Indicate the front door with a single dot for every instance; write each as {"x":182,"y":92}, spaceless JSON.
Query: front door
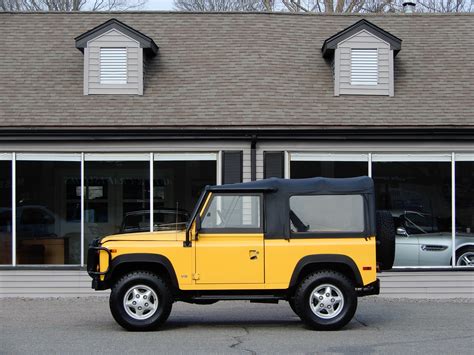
{"x":229,"y":249}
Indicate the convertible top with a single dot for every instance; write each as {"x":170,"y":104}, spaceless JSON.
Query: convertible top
{"x":277,"y":193}
{"x":316,"y":185}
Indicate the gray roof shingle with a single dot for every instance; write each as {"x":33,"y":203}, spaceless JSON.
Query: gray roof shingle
{"x":235,"y":70}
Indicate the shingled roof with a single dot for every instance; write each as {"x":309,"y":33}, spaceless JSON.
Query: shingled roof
{"x":235,"y":70}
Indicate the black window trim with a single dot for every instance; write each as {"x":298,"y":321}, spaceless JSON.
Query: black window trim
{"x":236,"y":230}
{"x":308,"y":235}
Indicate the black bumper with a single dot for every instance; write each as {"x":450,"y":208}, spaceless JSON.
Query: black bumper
{"x":93,"y":259}
{"x":370,"y":289}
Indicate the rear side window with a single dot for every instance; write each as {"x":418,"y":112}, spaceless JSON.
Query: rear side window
{"x":327,"y":214}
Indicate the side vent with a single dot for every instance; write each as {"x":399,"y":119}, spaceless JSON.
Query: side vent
{"x":113,"y":65}
{"x":364,"y":67}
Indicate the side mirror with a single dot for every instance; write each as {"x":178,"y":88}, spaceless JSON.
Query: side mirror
{"x":402,"y":231}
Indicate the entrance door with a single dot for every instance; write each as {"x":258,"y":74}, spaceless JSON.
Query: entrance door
{"x":229,"y":249}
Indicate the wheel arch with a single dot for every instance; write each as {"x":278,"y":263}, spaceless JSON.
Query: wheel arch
{"x":155,"y":263}
{"x":336,"y":262}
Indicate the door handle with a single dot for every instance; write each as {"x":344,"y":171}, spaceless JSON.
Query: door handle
{"x":253,"y":254}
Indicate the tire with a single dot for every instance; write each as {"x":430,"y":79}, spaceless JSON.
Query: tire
{"x":291,"y":302}
{"x":322,"y":283}
{"x":385,"y":239}
{"x":465,"y":256}
{"x":152,"y":297}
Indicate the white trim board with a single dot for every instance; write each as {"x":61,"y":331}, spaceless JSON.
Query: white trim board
{"x":328,"y":157}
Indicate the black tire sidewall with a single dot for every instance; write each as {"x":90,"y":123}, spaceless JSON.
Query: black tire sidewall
{"x":385,"y":247}
{"x":140,"y":278}
{"x":462,"y":251}
{"x":303,"y":294}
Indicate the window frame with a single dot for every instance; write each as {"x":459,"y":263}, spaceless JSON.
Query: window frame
{"x":308,"y":235}
{"x":261,"y":229}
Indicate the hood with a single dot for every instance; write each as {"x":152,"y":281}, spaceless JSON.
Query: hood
{"x":161,"y":235}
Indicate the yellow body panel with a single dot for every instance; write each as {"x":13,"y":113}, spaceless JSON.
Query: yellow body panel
{"x":224,"y":262}
{"x":230,"y":259}
{"x":281,"y":256}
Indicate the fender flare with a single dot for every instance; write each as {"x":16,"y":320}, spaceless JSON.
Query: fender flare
{"x":327,"y":259}
{"x":139,"y":258}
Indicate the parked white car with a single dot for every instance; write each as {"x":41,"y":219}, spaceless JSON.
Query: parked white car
{"x":419,"y":244}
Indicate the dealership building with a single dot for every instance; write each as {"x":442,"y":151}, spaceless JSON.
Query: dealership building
{"x":114,"y":123}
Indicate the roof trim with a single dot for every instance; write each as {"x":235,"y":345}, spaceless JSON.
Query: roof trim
{"x":113,"y":24}
{"x":331,"y":43}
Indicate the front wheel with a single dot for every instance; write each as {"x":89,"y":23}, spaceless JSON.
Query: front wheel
{"x":140,"y":300}
{"x":465,"y":256}
{"x":326,"y":300}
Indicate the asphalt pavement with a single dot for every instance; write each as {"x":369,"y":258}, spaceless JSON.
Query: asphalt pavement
{"x":84,"y":325}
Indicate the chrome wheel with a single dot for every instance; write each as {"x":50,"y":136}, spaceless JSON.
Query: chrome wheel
{"x":140,"y":302}
{"x":326,"y":301}
{"x":466,"y":259}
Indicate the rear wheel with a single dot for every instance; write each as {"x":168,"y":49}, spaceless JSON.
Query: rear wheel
{"x":326,"y":300}
{"x":140,"y":300}
{"x":385,"y":239}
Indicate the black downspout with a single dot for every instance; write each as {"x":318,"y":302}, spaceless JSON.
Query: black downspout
{"x":253,"y":159}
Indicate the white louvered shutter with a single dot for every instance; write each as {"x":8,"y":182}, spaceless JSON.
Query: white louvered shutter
{"x":113,"y":65}
{"x":364,"y":67}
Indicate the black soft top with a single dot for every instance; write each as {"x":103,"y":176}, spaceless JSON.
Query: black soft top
{"x":316,"y":185}
{"x":277,"y":193}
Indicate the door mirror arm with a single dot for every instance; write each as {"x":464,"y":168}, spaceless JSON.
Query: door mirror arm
{"x":198,"y":226}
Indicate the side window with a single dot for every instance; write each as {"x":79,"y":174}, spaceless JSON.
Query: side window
{"x":233,"y":212}
{"x":327,"y":214}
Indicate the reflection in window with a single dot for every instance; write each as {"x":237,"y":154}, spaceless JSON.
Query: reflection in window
{"x":418,"y":194}
{"x":330,"y":169}
{"x":316,"y":213}
{"x":5,"y":212}
{"x":48,"y":232}
{"x":233,"y":211}
{"x":115,"y":192}
{"x":465,"y":213}
{"x":177,"y":186}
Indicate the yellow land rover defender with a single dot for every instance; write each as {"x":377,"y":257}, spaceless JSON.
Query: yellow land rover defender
{"x":316,"y":243}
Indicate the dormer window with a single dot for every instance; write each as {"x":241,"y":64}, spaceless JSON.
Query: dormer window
{"x":362,"y":57}
{"x":114,"y":58}
{"x":113,"y":65}
{"x":364,"y":66}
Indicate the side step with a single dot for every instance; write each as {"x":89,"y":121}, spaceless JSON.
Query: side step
{"x":251,"y":298}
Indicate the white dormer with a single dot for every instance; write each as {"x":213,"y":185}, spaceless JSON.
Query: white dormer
{"x":114,"y":58}
{"x":362,"y":58}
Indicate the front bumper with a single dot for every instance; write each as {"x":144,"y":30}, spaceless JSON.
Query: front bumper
{"x":93,"y":264}
{"x":370,"y":289}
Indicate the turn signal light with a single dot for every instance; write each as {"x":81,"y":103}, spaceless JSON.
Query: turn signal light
{"x":113,"y":250}
{"x":367,"y":268}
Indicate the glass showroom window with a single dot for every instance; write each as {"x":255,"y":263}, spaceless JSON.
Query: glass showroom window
{"x":48,"y":229}
{"x":5,"y":210}
{"x":117,"y":194}
{"x":418,"y":194}
{"x":306,"y":165}
{"x":178,"y":180}
{"x":464,"y":213}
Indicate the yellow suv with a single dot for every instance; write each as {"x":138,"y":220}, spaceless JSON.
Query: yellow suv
{"x":316,"y":243}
